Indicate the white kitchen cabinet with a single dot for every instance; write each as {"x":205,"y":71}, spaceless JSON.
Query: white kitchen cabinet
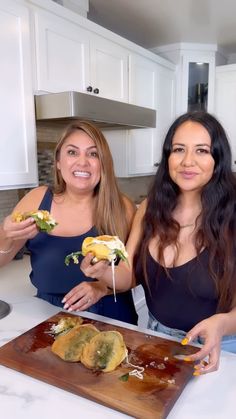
{"x":72,"y":53}
{"x":197,"y":81}
{"x":62,"y":54}
{"x":143,"y":88}
{"x":225,"y":103}
{"x":18,"y":164}
{"x":137,"y":152}
{"x":109,"y":68}
{"x":195,"y":74}
{"x":69,"y":57}
{"x":142,"y":81}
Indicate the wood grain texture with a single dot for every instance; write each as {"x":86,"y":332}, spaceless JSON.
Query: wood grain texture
{"x":153,"y":397}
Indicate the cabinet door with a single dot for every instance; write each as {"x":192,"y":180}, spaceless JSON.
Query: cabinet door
{"x":225,"y":104}
{"x":18,"y":166}
{"x":109,"y":69}
{"x":142,"y":92}
{"x":142,"y":81}
{"x":166,"y":87}
{"x":141,"y":149}
{"x":62,"y":54}
{"x":197,"y":79}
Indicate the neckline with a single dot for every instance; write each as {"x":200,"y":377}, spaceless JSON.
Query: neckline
{"x":179,"y":266}
{"x":86,"y":233}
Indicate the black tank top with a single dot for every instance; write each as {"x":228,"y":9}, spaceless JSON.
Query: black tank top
{"x":53,"y":279}
{"x":182,"y":299}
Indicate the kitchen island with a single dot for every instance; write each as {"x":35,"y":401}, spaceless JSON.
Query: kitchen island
{"x":21,"y":397}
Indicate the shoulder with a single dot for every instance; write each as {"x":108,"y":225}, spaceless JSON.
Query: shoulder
{"x":31,"y":200}
{"x":130,"y":208}
{"x":142,"y":209}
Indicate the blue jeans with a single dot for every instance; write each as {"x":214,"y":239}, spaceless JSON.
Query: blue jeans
{"x":228,"y":343}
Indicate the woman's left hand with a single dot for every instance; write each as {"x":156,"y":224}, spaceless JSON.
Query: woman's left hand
{"x":84,"y":295}
{"x":211,"y":331}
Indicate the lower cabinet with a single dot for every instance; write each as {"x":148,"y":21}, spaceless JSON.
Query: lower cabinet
{"x":140,"y":306}
{"x":18,"y":162}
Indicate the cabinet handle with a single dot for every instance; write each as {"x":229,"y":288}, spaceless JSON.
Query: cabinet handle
{"x":96,"y":91}
{"x":89,"y":89}
{"x":156,"y":164}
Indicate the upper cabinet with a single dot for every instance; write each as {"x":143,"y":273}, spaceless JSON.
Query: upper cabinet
{"x":62,"y":54}
{"x":143,"y":92}
{"x":142,"y":81}
{"x":69,"y":57}
{"x":195,"y":75}
{"x":18,"y":163}
{"x":137,"y":152}
{"x":225,"y":103}
{"x":109,"y":69}
{"x":197,"y":80}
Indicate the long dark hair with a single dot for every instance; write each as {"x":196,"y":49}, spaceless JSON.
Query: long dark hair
{"x":217,"y":230}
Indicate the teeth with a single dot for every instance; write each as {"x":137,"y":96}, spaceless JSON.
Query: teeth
{"x":81,"y":174}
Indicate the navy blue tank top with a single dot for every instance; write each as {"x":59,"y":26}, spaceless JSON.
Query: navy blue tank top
{"x":182,"y":299}
{"x":53,"y":279}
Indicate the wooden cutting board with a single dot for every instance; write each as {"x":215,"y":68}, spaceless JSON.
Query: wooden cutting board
{"x":153,"y":397}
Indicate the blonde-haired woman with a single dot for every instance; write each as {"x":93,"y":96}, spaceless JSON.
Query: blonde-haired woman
{"x":85,"y":201}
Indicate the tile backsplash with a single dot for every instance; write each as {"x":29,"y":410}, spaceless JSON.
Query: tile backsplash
{"x":8,"y":200}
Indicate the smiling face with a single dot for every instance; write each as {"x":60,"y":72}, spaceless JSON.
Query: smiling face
{"x":79,"y":163}
{"x":191,"y":164}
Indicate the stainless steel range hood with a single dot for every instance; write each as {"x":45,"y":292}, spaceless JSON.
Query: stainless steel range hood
{"x":103,"y":112}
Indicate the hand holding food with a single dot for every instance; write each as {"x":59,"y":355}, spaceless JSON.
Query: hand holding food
{"x":102,"y":247}
{"x":43,"y":219}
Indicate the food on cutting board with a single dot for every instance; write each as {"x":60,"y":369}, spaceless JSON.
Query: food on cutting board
{"x":105,"y":351}
{"x":84,"y":342}
{"x":43,"y":219}
{"x":70,"y":346}
{"x":65,"y":324}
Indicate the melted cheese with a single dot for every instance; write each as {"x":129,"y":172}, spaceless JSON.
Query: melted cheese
{"x":113,"y":244}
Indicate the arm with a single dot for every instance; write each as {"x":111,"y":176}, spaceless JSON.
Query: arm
{"x":14,"y":235}
{"x":211,"y":330}
{"x":102,"y":271}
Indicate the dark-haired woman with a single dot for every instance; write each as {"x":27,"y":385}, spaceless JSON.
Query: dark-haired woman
{"x":182,"y":244}
{"x":85,"y":201}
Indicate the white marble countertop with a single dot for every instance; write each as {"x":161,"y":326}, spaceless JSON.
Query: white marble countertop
{"x":22,"y":397}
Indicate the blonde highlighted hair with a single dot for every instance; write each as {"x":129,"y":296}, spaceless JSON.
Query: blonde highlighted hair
{"x":110,"y":212}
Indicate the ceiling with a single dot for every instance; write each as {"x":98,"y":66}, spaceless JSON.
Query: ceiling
{"x":152,"y":23}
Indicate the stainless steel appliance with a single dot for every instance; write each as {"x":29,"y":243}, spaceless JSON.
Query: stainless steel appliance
{"x":103,"y":112}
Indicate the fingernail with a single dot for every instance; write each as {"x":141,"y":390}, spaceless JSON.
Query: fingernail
{"x":187,"y":359}
{"x":70,"y":309}
{"x":63,"y":301}
{"x":66,"y":306}
{"x":185,"y":341}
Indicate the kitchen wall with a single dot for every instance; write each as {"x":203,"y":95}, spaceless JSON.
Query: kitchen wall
{"x":136,"y":188}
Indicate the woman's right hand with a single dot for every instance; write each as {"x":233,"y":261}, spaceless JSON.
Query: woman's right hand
{"x":23,"y":230}
{"x":96,"y":270}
